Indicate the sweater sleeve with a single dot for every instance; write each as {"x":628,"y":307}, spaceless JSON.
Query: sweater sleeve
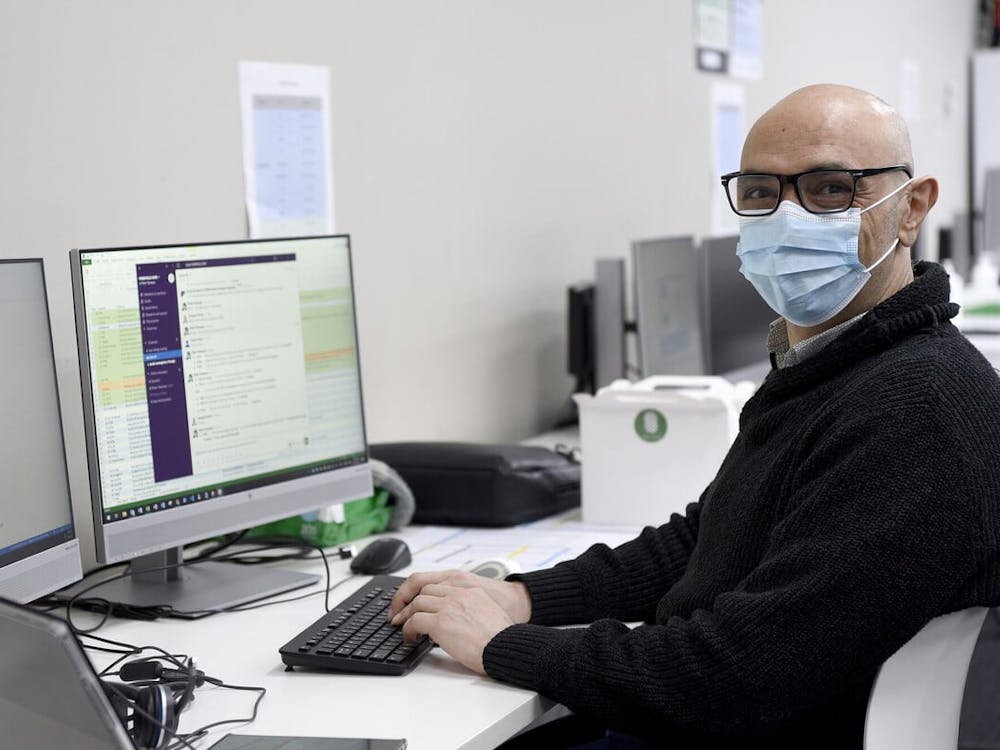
{"x":872,"y":543}
{"x":624,"y":583}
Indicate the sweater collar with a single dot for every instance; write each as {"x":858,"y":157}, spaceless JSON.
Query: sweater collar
{"x":784,"y":355}
{"x":920,"y":304}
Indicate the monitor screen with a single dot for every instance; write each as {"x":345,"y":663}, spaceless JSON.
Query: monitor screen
{"x":580,"y":360}
{"x":221,"y":390}
{"x":39,"y":551}
{"x":736,"y":319}
{"x":665,"y":273}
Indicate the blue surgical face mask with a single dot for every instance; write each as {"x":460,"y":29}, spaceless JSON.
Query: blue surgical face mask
{"x":806,"y":265}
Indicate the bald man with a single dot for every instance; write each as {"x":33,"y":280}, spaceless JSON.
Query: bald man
{"x":860,"y":499}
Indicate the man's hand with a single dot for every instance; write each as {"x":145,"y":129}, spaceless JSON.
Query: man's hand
{"x":459,"y":611}
{"x":511,"y":596}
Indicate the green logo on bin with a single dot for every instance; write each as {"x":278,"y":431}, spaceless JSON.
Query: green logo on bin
{"x":650,"y":425}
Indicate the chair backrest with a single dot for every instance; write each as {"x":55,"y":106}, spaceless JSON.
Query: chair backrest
{"x":916,"y":701}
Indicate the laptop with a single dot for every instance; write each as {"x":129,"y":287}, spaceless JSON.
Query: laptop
{"x":50,"y":695}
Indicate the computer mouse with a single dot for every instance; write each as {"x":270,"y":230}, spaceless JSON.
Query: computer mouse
{"x":382,"y":555}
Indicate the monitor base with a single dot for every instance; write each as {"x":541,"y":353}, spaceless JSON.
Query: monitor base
{"x":204,"y":588}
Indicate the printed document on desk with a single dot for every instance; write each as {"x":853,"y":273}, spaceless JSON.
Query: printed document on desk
{"x":533,"y":546}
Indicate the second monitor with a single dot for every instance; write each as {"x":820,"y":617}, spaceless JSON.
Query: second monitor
{"x":735,"y":319}
{"x":695,"y":312}
{"x":666,"y":274}
{"x":39,"y":549}
{"x":222,"y":390}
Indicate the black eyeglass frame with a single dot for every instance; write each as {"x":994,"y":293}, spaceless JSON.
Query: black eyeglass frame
{"x":784,"y":179}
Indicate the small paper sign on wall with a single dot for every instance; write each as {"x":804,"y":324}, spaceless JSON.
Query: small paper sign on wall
{"x":711,"y":35}
{"x":287,"y":152}
{"x":746,"y":52}
{"x":728,"y":37}
{"x":728,"y":103}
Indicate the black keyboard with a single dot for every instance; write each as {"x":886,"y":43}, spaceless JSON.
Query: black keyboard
{"x":355,"y":636}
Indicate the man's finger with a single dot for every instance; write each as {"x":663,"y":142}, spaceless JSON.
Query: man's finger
{"x":439,"y":589}
{"x":422,"y":602}
{"x":410,"y":588}
{"x":421,"y":623}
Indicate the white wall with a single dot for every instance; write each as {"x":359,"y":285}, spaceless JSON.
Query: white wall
{"x":485,"y":153}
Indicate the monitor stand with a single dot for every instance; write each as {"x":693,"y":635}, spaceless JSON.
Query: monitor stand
{"x":197,"y":589}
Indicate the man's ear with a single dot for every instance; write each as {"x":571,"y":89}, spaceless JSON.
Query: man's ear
{"x":923,"y":196}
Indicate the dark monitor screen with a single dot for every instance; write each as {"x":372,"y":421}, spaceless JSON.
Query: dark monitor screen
{"x":736,"y":319}
{"x":580,"y":361}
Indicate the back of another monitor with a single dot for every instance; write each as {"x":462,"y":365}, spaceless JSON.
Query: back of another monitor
{"x":961,"y":244}
{"x":665,"y":271}
{"x":991,"y":212}
{"x":609,"y":320}
{"x":735,"y":318}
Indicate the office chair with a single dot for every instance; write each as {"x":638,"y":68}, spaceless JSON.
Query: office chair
{"x":916,"y":701}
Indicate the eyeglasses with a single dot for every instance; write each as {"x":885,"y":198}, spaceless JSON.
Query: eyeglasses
{"x":820,"y":191}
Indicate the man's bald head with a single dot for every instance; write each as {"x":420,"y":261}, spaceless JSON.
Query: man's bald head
{"x":830,"y":127}
{"x":849,"y":127}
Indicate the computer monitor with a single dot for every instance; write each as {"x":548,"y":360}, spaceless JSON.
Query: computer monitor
{"x":961,"y":244}
{"x":991,"y":212}
{"x":609,"y":321}
{"x":665,"y":272}
{"x":221,"y":390}
{"x":735,"y":319}
{"x":580,"y":358}
{"x":39,"y":550}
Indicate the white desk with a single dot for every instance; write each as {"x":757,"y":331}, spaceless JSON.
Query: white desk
{"x":437,"y":706}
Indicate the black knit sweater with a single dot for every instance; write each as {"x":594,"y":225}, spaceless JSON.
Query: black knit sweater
{"x":860,"y":500}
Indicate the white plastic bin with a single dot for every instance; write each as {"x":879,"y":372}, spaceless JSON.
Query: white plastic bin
{"x":650,"y":448}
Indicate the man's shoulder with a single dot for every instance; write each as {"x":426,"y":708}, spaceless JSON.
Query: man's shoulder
{"x":936,"y":368}
{"x":943,"y":351}
{"x":923,"y":370}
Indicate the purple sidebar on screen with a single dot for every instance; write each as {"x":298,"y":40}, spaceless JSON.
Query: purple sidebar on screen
{"x":164,"y":366}
{"x":163,"y":353}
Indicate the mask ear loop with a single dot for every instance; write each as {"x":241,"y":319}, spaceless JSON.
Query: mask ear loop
{"x":895,"y":243}
{"x":884,"y":255}
{"x":884,"y":198}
